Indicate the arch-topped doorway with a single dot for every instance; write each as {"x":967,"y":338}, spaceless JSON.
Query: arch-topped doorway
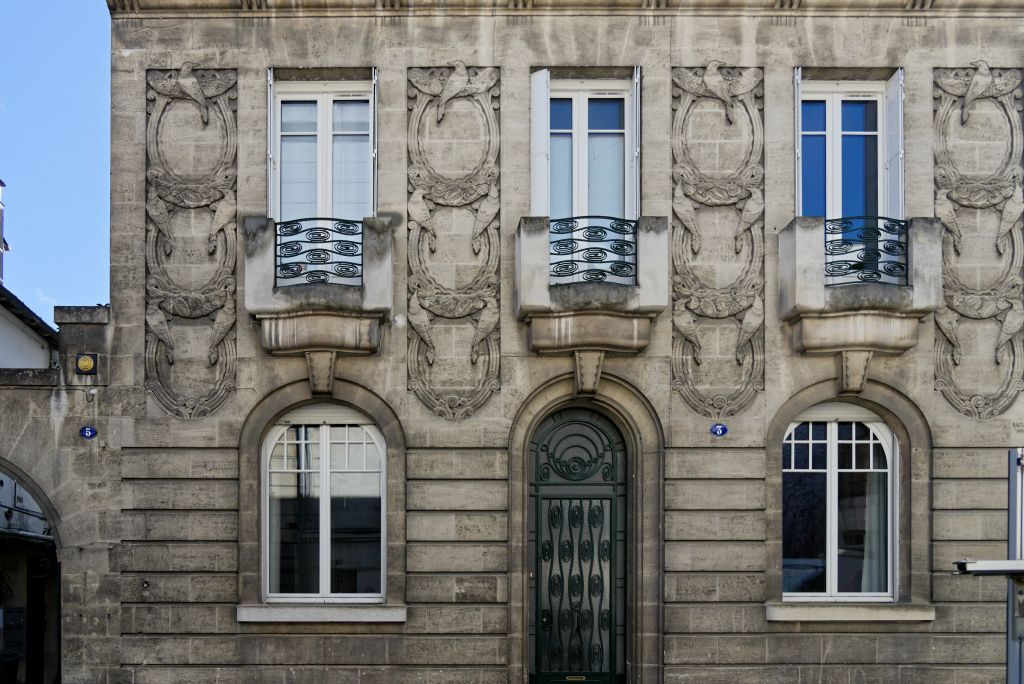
{"x":577,"y":549}
{"x":29,"y":589}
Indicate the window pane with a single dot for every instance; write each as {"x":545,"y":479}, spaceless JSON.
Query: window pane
{"x":845,"y":456}
{"x":801,"y":431}
{"x":881,"y":461}
{"x":819,"y":431}
{"x":787,"y":457}
{"x":819,"y":457}
{"x":294,"y":520}
{"x":860,"y":175}
{"x":606,"y":184}
{"x":803,"y":532}
{"x":372,"y":456}
{"x":298,"y":117}
{"x":561,"y":175}
{"x":800,"y":457}
{"x":812,"y":174}
{"x":606,"y":114}
{"x":350,"y":177}
{"x":298,"y":177}
{"x":812,"y":115}
{"x":355,"y":533}
{"x":561,"y":114}
{"x":284,"y":457}
{"x":845,"y":430}
{"x":863,"y":457}
{"x":860,"y":115}
{"x":863,"y":537}
{"x":352,"y":116}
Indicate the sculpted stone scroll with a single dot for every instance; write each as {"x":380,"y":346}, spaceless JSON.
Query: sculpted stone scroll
{"x":698,"y":198}
{"x":454,"y":191}
{"x":980,"y":198}
{"x":191,"y":146}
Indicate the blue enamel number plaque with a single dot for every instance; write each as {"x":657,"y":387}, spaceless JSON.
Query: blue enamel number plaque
{"x":719,"y":429}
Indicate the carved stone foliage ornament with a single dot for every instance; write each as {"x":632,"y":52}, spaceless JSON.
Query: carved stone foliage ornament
{"x":191,"y":145}
{"x":741,"y":190}
{"x":998,"y":194}
{"x":472,"y":194}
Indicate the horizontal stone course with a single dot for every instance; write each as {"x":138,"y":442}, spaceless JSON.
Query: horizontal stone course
{"x":456,"y":496}
{"x":456,"y":464}
{"x":714,"y":495}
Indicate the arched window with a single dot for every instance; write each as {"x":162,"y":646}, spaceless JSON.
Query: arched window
{"x":324,"y":506}
{"x":839,"y":463}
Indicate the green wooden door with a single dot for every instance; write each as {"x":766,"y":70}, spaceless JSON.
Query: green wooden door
{"x":577,"y":544}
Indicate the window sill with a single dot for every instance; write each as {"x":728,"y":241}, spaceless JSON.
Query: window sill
{"x":319,"y":613}
{"x":849,"y":612}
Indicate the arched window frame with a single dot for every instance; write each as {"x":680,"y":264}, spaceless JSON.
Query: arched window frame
{"x":833,"y":413}
{"x":324,"y":415}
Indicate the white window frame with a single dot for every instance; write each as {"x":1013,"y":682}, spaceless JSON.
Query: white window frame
{"x":889,"y":95}
{"x":832,"y":414}
{"x":543,"y":90}
{"x":323,"y":416}
{"x":324,"y":93}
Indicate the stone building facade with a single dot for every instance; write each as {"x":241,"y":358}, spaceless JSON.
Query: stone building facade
{"x":709,"y":437}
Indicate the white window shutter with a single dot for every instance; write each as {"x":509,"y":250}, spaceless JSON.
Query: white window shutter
{"x":271,"y":209}
{"x":540,"y":141}
{"x":373,"y":140}
{"x":894,"y":146}
{"x":633,"y":202}
{"x":797,"y":141}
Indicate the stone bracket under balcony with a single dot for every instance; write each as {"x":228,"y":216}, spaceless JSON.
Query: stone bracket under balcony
{"x":858,"y":319}
{"x":590,"y":316}
{"x":319,"y":320}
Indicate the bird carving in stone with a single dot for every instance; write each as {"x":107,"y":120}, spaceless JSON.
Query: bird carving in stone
{"x":714,"y":85}
{"x":947,"y":321}
{"x":485,"y":213}
{"x":222,"y":323}
{"x":223,"y":217}
{"x":458,"y":84}
{"x":485,"y":325}
{"x":752,"y":210}
{"x":161,"y":218}
{"x":419,"y":319}
{"x":184,"y":83}
{"x":981,"y":84}
{"x":946,"y":212}
{"x":686,"y":210}
{"x":1013,"y":323}
{"x":419,"y":212}
{"x":752,"y":321}
{"x":1012,"y":210}
{"x":685,"y":323}
{"x":157,"y":321}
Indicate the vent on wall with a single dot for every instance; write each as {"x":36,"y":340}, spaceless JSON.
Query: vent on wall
{"x":919,"y":4}
{"x":787,"y":4}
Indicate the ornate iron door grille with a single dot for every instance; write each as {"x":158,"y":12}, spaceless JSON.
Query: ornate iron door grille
{"x":577,"y":540}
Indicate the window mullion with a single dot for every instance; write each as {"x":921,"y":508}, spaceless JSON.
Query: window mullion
{"x":831,"y":507}
{"x":580,"y":145}
{"x":834,"y":147}
{"x":325,"y":144}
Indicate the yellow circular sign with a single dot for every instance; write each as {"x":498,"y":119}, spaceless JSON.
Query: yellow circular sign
{"x":85,"y":364}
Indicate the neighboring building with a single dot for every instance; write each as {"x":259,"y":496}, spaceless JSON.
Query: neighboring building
{"x":573,"y":382}
{"x":26,"y":340}
{"x":4,"y":247}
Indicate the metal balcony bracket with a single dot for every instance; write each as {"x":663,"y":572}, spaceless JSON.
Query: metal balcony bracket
{"x":853,"y":370}
{"x":588,"y":371}
{"x":320,"y":366}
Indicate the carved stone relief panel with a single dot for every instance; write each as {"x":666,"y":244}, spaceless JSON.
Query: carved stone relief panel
{"x":718,"y":238}
{"x":191,"y":145}
{"x":978,"y":197}
{"x":454,"y":203}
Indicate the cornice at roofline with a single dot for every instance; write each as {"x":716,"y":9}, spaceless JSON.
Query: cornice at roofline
{"x":286,"y":8}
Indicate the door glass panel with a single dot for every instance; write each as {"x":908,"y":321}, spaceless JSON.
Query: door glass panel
{"x":351,"y":116}
{"x":298,"y":177}
{"x":860,"y":115}
{"x":298,"y":117}
{"x":561,"y":175}
{"x":606,"y":114}
{"x":804,"y":523}
{"x":813,"y":161}
{"x":606,"y":160}
{"x":812,"y":115}
{"x":350,"y":177}
{"x":294,"y":526}
{"x":355,"y":533}
{"x":860,"y":175}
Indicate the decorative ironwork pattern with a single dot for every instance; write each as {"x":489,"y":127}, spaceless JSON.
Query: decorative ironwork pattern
{"x":865,"y":249}
{"x":593,"y":249}
{"x":319,"y":251}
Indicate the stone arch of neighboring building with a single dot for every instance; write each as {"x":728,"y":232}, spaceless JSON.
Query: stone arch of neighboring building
{"x":260,"y":420}
{"x":632,"y":414}
{"x":914,"y":436}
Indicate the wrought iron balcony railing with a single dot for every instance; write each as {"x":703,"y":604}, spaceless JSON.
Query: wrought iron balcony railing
{"x":593,"y":249}
{"x":865,"y":249}
{"x":319,"y":251}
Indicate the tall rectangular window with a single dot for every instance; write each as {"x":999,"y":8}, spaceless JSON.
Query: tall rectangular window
{"x":323,"y":151}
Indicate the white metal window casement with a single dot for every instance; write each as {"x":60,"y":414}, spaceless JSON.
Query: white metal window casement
{"x":322,"y":149}
{"x":585,"y":146}
{"x":839,"y":507}
{"x":849,"y":147}
{"x":324,"y":510}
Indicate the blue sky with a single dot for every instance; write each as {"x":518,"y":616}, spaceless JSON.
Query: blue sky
{"x":54,"y":151}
